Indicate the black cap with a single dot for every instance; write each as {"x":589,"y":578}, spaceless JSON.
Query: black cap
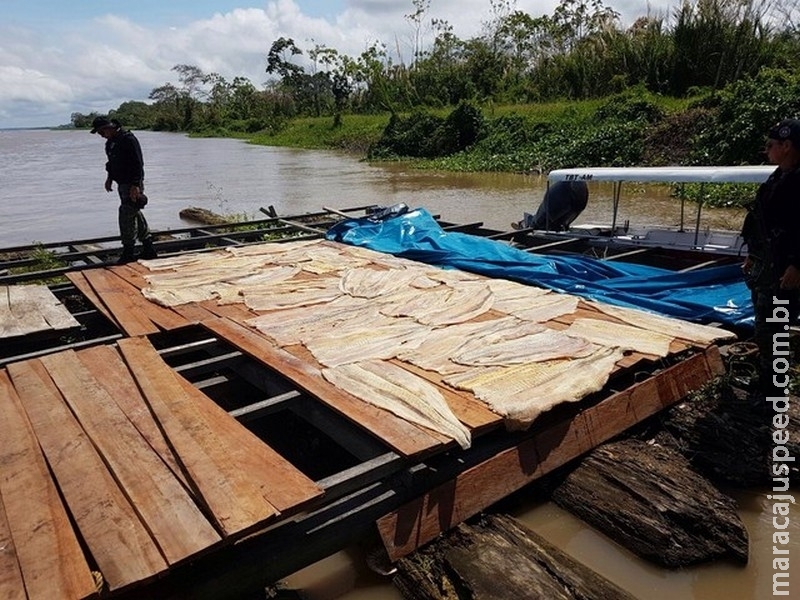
{"x":101,"y":122}
{"x":788,"y":129}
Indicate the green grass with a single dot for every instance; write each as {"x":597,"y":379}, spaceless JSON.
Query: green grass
{"x":355,"y":133}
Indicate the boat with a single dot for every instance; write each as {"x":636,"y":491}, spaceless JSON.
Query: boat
{"x":689,"y":236}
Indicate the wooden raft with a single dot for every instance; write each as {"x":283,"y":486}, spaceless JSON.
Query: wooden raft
{"x":444,"y":507}
{"x":27,"y":309}
{"x":148,"y":479}
{"x":117,"y":292}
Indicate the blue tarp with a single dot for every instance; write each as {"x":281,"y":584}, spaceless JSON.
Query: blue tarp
{"x":715,"y":294}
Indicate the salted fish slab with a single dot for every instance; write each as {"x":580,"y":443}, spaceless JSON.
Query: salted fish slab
{"x":535,"y":347}
{"x":180,"y":295}
{"x":404,"y":394}
{"x":292,"y":293}
{"x":434,"y":353}
{"x":544,"y":308}
{"x":289,"y":326}
{"x":373,"y":283}
{"x":628,"y":337}
{"x":692,"y":332}
{"x":270,"y":248}
{"x":438,"y":307}
{"x":521,"y":393}
{"x":367,"y":343}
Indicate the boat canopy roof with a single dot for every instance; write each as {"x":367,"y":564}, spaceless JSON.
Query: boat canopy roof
{"x":744,"y":174}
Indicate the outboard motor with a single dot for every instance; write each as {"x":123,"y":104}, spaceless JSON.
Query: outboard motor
{"x":562,"y":203}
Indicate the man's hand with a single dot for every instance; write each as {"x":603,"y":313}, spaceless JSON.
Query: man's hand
{"x":747,"y":266}
{"x":791,"y":278}
{"x":134,"y":195}
{"x":108,"y":184}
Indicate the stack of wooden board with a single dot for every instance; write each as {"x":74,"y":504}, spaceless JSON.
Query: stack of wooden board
{"x":26,"y":309}
{"x":114,"y":469}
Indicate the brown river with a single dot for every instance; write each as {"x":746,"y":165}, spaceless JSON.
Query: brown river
{"x":51,"y":189}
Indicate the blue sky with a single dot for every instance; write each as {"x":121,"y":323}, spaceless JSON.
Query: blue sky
{"x":59,"y":57}
{"x":152,"y":12}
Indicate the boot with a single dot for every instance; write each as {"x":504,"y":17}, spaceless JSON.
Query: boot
{"x":126,"y":256}
{"x":148,"y":251}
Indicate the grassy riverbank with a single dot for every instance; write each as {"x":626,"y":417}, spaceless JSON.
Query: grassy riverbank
{"x":624,"y":130}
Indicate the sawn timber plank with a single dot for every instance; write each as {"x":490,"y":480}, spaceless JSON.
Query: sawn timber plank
{"x":236,"y":498}
{"x":11,"y":585}
{"x":421,"y":520}
{"x":110,"y":371}
{"x":404,"y":437}
{"x":117,"y":539}
{"x":165,"y":318}
{"x":287,"y":489}
{"x":46,"y":304}
{"x":173,"y":519}
{"x":82,"y":284}
{"x":119,"y":302}
{"x":51,"y":561}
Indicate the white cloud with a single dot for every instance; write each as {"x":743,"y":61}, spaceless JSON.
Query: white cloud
{"x":45,"y":76}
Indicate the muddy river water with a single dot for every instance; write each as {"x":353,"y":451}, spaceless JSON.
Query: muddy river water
{"x":51,"y":188}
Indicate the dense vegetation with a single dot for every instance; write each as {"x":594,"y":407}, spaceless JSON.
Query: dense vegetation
{"x":699,"y":86}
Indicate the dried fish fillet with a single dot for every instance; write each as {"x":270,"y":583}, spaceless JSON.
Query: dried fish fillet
{"x":521,"y":393}
{"x":366,"y":343}
{"x":288,"y":294}
{"x":270,"y":248}
{"x":692,"y":332}
{"x":179,"y":295}
{"x":394,"y":389}
{"x":372,"y":283}
{"x":441,"y":305}
{"x":535,"y":347}
{"x":434,"y":353}
{"x":605,"y":333}
{"x":289,"y":326}
{"x":544,"y":308}
{"x":510,"y":296}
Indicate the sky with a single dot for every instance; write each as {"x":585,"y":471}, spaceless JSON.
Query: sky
{"x":58,"y":57}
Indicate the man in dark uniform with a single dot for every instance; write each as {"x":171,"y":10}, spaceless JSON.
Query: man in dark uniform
{"x":125,"y":166}
{"x":772,"y":269}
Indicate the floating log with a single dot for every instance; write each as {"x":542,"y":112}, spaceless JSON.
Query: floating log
{"x":646,"y":498}
{"x":203,"y":215}
{"x":498,"y":558}
{"x":727,"y":436}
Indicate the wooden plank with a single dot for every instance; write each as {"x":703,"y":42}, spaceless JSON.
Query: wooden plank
{"x":109,"y":370}
{"x":287,"y":489}
{"x":35,"y":308}
{"x":106,"y":285}
{"x":19,"y":313}
{"x":165,"y":318}
{"x":79,"y":280}
{"x":403,"y":437}
{"x":194,"y":313}
{"x":236,"y":312}
{"x":50,"y":557}
{"x":11,"y":585}
{"x":236,"y":498}
{"x":120,"y":545}
{"x":49,"y":307}
{"x":173,"y":519}
{"x":421,"y":520}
